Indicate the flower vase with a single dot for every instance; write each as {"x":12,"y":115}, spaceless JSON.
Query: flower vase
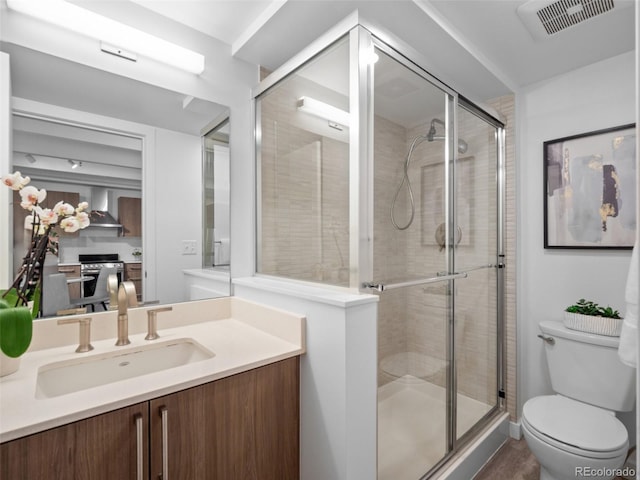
{"x":8,"y":365}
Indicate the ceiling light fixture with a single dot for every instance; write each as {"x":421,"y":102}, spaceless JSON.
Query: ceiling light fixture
{"x":323,"y":110}
{"x":85,"y":22}
{"x":30,"y":158}
{"x":74,"y":164}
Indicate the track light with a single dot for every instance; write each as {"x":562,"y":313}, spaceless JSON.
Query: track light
{"x":74,"y":164}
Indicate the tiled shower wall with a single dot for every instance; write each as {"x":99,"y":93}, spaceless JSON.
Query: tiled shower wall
{"x":305,"y":236}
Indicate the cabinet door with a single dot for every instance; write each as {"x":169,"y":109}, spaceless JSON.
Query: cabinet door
{"x":243,"y":427}
{"x":133,"y":273}
{"x":257,"y":423}
{"x":104,"y":447}
{"x":130,"y":216}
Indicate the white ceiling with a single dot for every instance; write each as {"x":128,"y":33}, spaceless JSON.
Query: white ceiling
{"x":270,"y":32}
{"x":478,"y":47}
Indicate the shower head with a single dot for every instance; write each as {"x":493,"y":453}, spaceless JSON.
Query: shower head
{"x":431,"y":136}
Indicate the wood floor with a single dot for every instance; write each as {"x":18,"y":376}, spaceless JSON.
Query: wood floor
{"x":514,"y":461}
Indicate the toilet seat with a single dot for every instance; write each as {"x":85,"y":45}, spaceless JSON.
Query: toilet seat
{"x":575,"y":427}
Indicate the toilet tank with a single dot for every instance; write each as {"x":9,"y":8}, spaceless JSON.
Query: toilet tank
{"x":586,"y":367}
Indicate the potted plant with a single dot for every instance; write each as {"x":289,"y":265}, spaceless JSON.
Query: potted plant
{"x":588,"y":316}
{"x":20,"y":303}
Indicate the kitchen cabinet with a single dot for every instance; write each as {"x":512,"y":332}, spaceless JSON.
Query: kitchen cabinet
{"x":72,"y":271}
{"x":130,"y":216}
{"x":133,"y":273}
{"x":241,"y":427}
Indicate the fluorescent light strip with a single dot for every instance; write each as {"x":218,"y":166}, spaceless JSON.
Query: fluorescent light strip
{"x":85,"y":22}
{"x":323,"y":110}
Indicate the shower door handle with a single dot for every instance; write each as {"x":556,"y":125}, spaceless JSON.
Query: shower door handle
{"x":440,"y":278}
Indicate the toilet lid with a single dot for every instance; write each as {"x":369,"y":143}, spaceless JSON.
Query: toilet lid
{"x":575,"y":423}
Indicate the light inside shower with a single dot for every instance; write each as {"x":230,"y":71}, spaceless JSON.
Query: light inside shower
{"x":323,"y":110}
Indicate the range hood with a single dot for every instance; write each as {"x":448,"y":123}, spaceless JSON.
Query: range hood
{"x":100,"y":216}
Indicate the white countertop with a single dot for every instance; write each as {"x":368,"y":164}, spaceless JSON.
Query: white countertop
{"x":250,"y":336}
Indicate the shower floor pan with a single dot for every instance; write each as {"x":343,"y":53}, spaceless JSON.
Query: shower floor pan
{"x":411,"y":426}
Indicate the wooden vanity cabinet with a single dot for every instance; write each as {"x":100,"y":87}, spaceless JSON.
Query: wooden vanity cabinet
{"x":243,"y":427}
{"x":100,"y":447}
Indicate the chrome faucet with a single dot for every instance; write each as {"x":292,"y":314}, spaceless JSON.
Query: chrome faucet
{"x":126,"y":298}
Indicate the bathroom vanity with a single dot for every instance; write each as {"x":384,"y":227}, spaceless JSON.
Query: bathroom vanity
{"x":232,"y":414}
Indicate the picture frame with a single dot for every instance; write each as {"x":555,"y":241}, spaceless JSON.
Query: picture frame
{"x":590,"y":190}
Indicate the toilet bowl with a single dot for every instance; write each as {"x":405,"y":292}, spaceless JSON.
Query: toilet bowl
{"x":572,"y":439}
{"x":575,"y":433}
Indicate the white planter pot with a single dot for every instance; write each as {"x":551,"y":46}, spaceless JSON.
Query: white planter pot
{"x":592,"y":324}
{"x":8,"y":365}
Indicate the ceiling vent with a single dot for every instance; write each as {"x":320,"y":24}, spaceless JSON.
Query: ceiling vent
{"x":544,"y":19}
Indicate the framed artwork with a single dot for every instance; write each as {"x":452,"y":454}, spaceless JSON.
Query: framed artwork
{"x":590,"y":189}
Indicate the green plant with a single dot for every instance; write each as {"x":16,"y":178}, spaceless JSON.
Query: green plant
{"x":16,"y":329}
{"x":586,"y":307}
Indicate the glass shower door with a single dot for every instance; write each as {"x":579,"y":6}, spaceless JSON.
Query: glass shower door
{"x":409,"y":183}
{"x":435,"y":253}
{"x":475,"y":299}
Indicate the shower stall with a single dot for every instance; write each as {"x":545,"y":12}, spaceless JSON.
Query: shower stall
{"x":374,"y":176}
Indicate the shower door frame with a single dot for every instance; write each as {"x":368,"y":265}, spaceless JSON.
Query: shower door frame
{"x":454,"y":101}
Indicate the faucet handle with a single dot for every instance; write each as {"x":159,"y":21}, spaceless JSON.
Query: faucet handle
{"x":129,"y":293}
{"x":84,"y":344}
{"x":152,"y":317}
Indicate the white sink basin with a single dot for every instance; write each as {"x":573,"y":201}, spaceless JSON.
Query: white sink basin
{"x":61,"y":378}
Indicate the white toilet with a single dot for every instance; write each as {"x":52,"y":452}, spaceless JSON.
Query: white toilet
{"x":575,"y":434}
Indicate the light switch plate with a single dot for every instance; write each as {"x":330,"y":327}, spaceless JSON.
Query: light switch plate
{"x":189,"y":247}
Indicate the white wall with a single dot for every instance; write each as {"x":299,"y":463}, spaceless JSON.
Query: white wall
{"x":595,"y":97}
{"x":178,"y":209}
{"x":6,"y":237}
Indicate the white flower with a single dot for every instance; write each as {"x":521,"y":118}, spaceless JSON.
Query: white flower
{"x":47,"y":216}
{"x":82,"y":206}
{"x":83,"y":219}
{"x":15,"y":181}
{"x":63,"y":209}
{"x":31,"y":196}
{"x":70,"y":224}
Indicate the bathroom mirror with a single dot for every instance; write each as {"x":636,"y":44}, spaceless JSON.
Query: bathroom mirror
{"x":124,"y":146}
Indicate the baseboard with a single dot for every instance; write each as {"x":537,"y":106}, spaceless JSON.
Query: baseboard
{"x":515,"y":431}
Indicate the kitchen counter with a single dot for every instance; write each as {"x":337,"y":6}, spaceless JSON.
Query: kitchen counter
{"x":243,"y":335}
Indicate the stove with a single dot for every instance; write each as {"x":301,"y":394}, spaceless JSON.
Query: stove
{"x":91,"y":264}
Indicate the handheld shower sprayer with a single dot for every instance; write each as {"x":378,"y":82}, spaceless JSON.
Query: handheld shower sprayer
{"x":430,"y":137}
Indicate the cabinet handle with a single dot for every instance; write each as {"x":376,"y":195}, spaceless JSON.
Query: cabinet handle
{"x":164,"y":413}
{"x":139,"y":448}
